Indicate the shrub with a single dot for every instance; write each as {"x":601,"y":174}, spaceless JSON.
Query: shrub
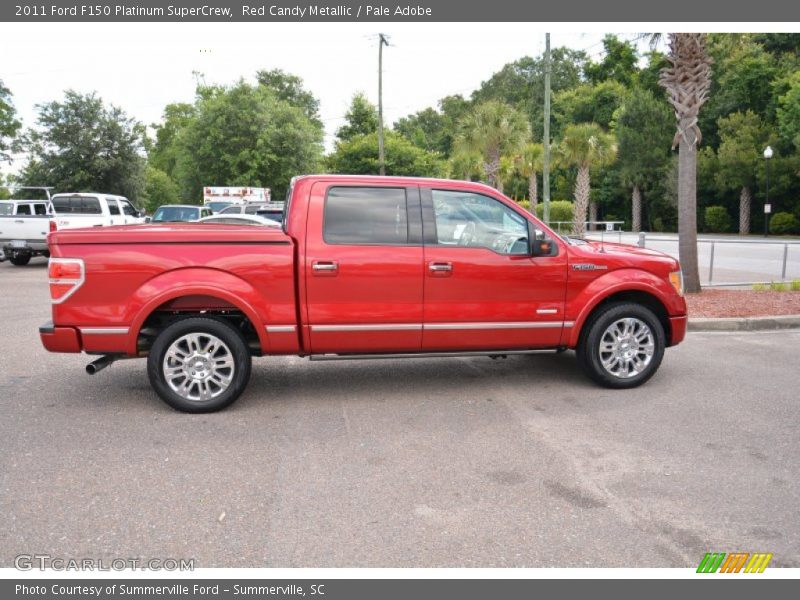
{"x":760,"y":287}
{"x":526,"y":204}
{"x":658,"y":224}
{"x":560,"y":210}
{"x":795,"y":285}
{"x":776,"y":286}
{"x":717,"y":219}
{"x":782,"y":223}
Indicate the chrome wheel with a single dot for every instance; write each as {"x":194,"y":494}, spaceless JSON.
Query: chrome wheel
{"x":626,"y":347}
{"x":198,"y":366}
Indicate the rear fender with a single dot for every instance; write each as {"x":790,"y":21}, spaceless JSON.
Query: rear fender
{"x":622,"y":280}
{"x":205,"y":282}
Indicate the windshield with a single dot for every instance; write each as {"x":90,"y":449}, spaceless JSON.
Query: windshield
{"x":166,"y":214}
{"x":6,"y":208}
{"x":218,"y":206}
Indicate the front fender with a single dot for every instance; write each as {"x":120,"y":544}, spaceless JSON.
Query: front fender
{"x":586,"y":300}
{"x":205,"y":282}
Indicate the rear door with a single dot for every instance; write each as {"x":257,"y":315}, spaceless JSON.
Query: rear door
{"x":363,"y":268}
{"x":483,"y":289}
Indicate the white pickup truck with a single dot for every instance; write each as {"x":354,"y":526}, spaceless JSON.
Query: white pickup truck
{"x":24,"y":225}
{"x":23,"y":235}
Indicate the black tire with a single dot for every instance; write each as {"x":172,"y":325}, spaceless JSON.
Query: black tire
{"x":20,"y":260}
{"x":589,"y":352}
{"x":233,"y":343}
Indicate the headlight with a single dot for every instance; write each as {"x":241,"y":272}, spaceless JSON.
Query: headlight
{"x":676,"y":279}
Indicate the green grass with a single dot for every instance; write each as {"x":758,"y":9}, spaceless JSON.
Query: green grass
{"x":760,"y":287}
{"x":777,"y":286}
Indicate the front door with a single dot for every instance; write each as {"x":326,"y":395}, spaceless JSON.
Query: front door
{"x":363,"y":269}
{"x":483,"y":289}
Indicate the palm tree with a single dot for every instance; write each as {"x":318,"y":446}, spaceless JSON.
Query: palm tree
{"x":529,"y":164}
{"x":585,"y":145}
{"x":505,"y":171}
{"x":464,"y":164}
{"x":492,"y":129}
{"x":687,"y":81}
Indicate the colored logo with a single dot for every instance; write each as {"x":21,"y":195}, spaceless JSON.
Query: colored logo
{"x":735,"y":562}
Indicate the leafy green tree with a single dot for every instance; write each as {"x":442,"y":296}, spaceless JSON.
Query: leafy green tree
{"x":505,"y":171}
{"x":361,"y":119}
{"x":83,"y":145}
{"x":245,"y":135}
{"x":743,"y":138}
{"x":465,"y":165}
{"x":588,"y":104}
{"x":290,"y":89}
{"x":492,"y":129}
{"x":358,"y":155}
{"x":163,"y":154}
{"x":643,"y":128}
{"x":618,"y":62}
{"x":717,"y":219}
{"x":788,"y":114}
{"x":9,"y":125}
{"x":426,"y":129}
{"x":158,"y":189}
{"x":585,"y":145}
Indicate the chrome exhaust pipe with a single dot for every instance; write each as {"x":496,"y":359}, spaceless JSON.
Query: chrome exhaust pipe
{"x":100,"y":364}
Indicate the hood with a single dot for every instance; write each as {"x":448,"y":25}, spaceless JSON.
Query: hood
{"x":620,"y":256}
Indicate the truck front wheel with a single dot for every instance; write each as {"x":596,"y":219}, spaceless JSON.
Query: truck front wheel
{"x":20,"y":260}
{"x":199,"y":365}
{"x":622,"y":345}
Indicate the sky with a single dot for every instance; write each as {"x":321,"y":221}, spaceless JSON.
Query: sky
{"x":143,"y":67}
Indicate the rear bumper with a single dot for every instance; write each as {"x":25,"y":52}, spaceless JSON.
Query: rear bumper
{"x":59,"y":339}
{"x":678,"y":329}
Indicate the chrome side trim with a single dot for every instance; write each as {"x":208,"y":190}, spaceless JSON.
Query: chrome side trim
{"x":444,"y":326}
{"x":104,"y":330}
{"x":546,"y":311}
{"x":370,"y":327}
{"x":323,"y":357}
{"x":498,"y":325}
{"x":568,"y":324}
{"x":280,"y":328}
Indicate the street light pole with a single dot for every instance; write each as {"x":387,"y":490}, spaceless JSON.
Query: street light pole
{"x":767,"y":206}
{"x":382,"y":40}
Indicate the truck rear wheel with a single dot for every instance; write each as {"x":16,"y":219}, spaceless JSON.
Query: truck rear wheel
{"x":20,"y":260}
{"x":622,"y":345}
{"x":199,"y":365}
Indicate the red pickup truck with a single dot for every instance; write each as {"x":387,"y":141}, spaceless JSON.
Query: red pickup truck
{"x":362,"y":267}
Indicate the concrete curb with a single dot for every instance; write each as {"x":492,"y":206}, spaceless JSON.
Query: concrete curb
{"x":745,"y":323}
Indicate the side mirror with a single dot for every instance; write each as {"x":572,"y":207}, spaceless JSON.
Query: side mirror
{"x":542,"y":248}
{"x":147,"y":219}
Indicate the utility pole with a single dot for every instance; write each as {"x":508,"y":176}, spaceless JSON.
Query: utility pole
{"x":382,"y":40}
{"x":546,"y":137}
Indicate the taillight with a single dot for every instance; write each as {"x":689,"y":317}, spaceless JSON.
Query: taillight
{"x":53,"y":226}
{"x":66,"y":276}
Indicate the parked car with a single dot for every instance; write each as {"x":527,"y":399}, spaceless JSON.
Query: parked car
{"x":93,"y":210}
{"x":176,"y":213}
{"x":240,"y":220}
{"x":270,"y":210}
{"x":217,"y":206}
{"x":24,"y":225}
{"x":362,"y":267}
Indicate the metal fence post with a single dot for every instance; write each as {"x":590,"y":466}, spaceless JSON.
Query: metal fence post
{"x":785,"y":255}
{"x":641,"y":239}
{"x":711,"y":265}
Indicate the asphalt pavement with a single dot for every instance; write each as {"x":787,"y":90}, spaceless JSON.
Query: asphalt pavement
{"x":466,"y":462}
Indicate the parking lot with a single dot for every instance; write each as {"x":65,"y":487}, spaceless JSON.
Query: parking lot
{"x":442,"y":462}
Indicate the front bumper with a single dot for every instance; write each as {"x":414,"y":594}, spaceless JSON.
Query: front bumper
{"x":59,"y":339}
{"x":678,"y":329}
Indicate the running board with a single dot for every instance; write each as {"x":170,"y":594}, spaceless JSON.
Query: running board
{"x":490,"y":353}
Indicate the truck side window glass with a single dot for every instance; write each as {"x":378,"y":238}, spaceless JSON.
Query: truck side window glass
{"x":23,"y":209}
{"x":127,"y":208}
{"x":366,"y":215}
{"x":113,"y":208}
{"x":472,"y":220}
{"x":40,"y":209}
{"x":90,"y":206}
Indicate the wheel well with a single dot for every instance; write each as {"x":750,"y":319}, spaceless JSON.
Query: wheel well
{"x":637,"y":297}
{"x":195,"y":306}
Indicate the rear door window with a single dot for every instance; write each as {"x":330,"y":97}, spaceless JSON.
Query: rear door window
{"x":366,"y":215}
{"x":23,"y":209}
{"x":112,"y":207}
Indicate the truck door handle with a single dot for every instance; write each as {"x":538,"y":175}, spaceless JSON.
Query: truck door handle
{"x":325,"y":267}
{"x":18,"y":221}
{"x":435,"y":267}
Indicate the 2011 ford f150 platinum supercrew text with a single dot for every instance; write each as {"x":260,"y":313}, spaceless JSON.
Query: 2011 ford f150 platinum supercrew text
{"x":362,"y":267}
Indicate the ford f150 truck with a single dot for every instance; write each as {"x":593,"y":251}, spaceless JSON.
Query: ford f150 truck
{"x":363,"y":267}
